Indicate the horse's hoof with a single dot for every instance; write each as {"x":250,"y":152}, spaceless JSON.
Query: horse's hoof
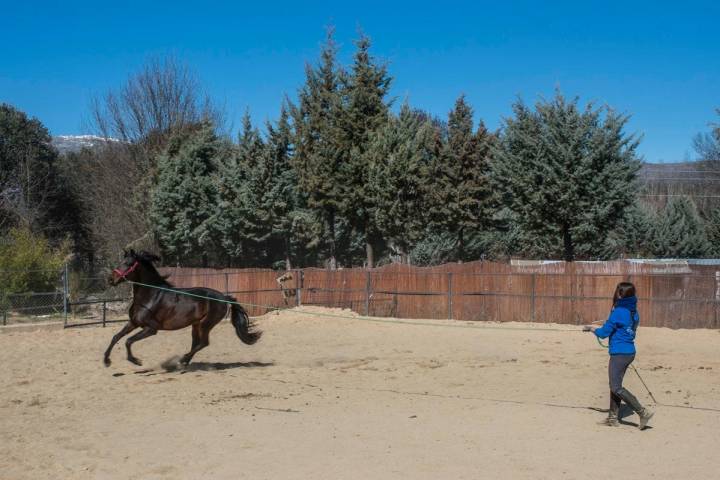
{"x":136,"y":361}
{"x":107,"y":362}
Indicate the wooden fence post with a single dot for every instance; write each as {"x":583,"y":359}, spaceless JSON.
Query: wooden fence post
{"x":299,"y":279}
{"x":532,"y":300}
{"x":367,"y":293}
{"x":450,"y":295}
{"x":717,"y":298}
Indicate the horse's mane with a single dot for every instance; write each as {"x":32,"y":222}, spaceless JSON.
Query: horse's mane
{"x":155,"y":278}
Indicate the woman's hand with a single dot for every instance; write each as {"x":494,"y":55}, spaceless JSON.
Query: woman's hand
{"x":590,"y":328}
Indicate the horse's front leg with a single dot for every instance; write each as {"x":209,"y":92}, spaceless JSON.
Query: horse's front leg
{"x":146,"y":332}
{"x":129,"y":327}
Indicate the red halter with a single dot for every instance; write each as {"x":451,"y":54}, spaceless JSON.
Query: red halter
{"x":127,"y":272}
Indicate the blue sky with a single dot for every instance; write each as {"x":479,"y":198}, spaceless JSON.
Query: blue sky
{"x":659,"y":62}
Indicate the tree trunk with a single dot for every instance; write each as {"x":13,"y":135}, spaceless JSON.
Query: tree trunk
{"x":288,"y":265}
{"x":461,"y":246}
{"x":569,"y":247}
{"x":331,"y":225}
{"x":370,"y":254}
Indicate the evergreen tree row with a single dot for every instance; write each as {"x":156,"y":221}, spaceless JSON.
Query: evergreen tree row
{"x":342,"y":178}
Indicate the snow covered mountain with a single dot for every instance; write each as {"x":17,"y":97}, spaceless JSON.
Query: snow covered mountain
{"x":75,"y":143}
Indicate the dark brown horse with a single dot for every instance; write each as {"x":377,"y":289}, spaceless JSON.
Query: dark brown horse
{"x":154,"y":309}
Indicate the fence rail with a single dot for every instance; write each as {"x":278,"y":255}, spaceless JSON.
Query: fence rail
{"x":669,"y":296}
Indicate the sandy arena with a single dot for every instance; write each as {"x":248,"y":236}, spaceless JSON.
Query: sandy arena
{"x":331,"y":398}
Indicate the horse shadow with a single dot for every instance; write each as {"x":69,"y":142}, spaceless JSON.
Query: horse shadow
{"x":171,"y":366}
{"x":213,"y":366}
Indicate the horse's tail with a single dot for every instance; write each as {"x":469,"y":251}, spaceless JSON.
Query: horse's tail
{"x":244,"y":327}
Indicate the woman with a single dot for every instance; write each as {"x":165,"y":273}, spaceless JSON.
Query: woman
{"x":621,"y":327}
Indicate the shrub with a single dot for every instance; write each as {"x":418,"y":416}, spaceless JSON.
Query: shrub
{"x":28,"y":263}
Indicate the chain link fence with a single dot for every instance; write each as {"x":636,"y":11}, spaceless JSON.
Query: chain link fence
{"x":92,"y":301}
{"x":78,"y":299}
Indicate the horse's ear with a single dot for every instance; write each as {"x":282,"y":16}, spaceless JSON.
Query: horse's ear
{"x":132,"y":253}
{"x":154,"y":258}
{"x":125,"y":253}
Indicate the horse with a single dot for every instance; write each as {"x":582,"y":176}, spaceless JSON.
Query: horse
{"x":157,"y":305}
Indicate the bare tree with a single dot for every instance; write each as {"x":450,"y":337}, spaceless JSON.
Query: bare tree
{"x":115,"y":181}
{"x":163,"y":97}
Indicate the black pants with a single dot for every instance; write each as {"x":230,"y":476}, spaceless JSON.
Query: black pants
{"x":617,"y":367}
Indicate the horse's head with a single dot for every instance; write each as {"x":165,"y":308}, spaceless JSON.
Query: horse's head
{"x":131,"y":266}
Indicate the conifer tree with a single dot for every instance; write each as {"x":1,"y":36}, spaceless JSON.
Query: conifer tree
{"x":242,"y":221}
{"x":712,"y":229}
{"x":465,"y":193}
{"x":397,"y":175}
{"x":319,"y":153}
{"x":364,"y":88}
{"x":567,"y":175}
{"x":679,"y":231}
{"x":294,"y":229}
{"x":184,"y":202}
{"x":636,"y":232}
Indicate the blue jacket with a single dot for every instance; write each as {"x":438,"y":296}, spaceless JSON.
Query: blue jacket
{"x":621,"y":327}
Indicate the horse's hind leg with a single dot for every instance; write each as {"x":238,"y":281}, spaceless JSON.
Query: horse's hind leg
{"x":199,"y":341}
{"x":146,"y":332}
{"x":129,"y":327}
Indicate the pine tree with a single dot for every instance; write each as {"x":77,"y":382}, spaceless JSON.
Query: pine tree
{"x":184,"y":202}
{"x":243,"y":222}
{"x":636,"y":232}
{"x":567,"y":175}
{"x":365,"y":88}
{"x":712,"y":229}
{"x":397,"y":170}
{"x":465,"y":193}
{"x":293,"y":227}
{"x":319,"y":153}
{"x":255,"y":221}
{"x":679,"y":231}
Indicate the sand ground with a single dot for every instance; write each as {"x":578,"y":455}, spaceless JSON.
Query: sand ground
{"x":322,"y":397}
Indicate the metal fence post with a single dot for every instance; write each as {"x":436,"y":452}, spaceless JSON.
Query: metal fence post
{"x":104,"y":310}
{"x":532,"y":300}
{"x":367,"y":293}
{"x":66,"y":294}
{"x":450,"y":295}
